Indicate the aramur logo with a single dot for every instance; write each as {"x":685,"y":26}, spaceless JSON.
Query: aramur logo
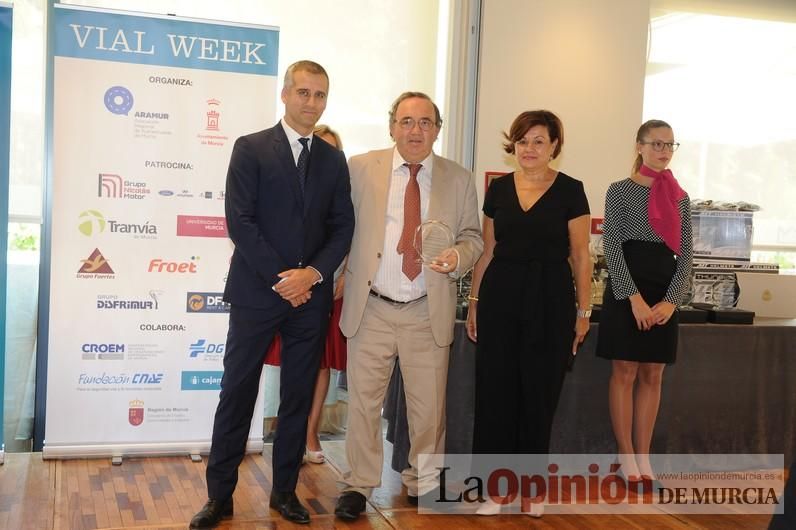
{"x":91,"y":222}
{"x":135,"y":414}
{"x":95,"y":266}
{"x":118,"y":100}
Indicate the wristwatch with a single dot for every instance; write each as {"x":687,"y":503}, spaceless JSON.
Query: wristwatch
{"x":584,"y":313}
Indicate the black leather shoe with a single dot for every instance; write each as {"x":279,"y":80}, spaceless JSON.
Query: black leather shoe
{"x":349,"y":505}
{"x":211,"y":514}
{"x":289,"y":507}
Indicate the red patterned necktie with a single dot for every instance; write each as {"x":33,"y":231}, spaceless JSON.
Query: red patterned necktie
{"x":411,"y":259}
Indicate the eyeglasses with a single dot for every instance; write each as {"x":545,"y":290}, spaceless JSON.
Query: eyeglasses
{"x":657,"y":145}
{"x":537,"y":143}
{"x":407,"y":124}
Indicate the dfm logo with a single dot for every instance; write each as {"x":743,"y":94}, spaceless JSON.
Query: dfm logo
{"x":179,"y":267}
{"x":202,"y":346}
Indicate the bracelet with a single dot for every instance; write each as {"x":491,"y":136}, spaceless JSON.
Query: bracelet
{"x":584,"y":313}
{"x":472,"y":298}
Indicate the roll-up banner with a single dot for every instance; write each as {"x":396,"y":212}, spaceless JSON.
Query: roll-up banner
{"x":145,"y":113}
{"x":5,"y":121}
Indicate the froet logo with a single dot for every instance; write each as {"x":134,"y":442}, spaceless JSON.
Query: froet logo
{"x":206,"y":303}
{"x":179,"y":267}
{"x":95,"y":266}
{"x":135,"y":414}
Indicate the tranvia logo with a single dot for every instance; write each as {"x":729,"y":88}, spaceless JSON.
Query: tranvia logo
{"x":95,"y":266}
{"x":118,"y":100}
{"x":91,"y":222}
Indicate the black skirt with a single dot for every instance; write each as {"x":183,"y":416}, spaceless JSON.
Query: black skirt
{"x":651,"y":266}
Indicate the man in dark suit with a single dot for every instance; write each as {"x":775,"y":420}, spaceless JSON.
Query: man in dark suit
{"x":289,"y":213}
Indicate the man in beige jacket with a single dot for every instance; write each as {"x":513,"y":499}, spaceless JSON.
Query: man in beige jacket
{"x":394,"y":306}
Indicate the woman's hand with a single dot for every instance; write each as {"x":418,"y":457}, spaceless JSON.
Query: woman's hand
{"x":339,"y":286}
{"x":471,"y":322}
{"x":644,"y":316}
{"x":581,"y":329}
{"x":663,"y":311}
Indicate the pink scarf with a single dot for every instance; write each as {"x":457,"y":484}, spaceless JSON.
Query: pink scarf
{"x":662,"y":211}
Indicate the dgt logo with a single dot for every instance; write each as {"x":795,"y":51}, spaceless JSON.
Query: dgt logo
{"x":202,"y":346}
{"x":206,"y":303}
{"x":181,"y":267}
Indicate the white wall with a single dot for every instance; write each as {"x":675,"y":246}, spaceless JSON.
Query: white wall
{"x":583,"y":60}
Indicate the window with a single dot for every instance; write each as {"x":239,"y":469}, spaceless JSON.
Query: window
{"x":726,"y":86}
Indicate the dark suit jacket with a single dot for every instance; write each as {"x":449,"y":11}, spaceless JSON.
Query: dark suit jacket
{"x":273,"y":227}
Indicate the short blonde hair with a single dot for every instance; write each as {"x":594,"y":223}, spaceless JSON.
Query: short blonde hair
{"x":322,"y":130}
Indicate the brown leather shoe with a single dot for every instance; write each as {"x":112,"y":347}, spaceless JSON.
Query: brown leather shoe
{"x":289,"y":507}
{"x":349,"y":505}
{"x":211,"y":514}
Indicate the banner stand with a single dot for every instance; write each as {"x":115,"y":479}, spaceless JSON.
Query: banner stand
{"x":5,"y":125}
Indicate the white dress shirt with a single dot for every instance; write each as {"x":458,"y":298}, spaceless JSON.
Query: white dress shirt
{"x":390,"y":279}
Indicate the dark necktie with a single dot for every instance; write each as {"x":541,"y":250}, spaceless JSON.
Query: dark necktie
{"x":303,"y":163}
{"x":411,"y":259}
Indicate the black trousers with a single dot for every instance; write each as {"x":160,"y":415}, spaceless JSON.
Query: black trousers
{"x":251,"y":331}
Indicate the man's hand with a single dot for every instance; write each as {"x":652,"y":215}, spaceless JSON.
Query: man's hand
{"x":446,"y":262}
{"x":339,"y":287}
{"x":295,"y":283}
{"x":301,"y":299}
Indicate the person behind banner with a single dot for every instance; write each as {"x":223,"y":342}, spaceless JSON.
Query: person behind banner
{"x":397,"y":306}
{"x":289,"y":213}
{"x":648,"y":248}
{"x":526,"y":314}
{"x":334,"y":354}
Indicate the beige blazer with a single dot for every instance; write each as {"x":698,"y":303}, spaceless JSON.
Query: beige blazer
{"x":453,"y":201}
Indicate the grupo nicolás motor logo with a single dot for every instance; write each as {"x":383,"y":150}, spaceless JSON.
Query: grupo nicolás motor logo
{"x":113,"y":186}
{"x":112,"y":302}
{"x":135,"y":414}
{"x":118,"y":100}
{"x":197,"y":302}
{"x":201,"y":226}
{"x":201,"y":380}
{"x":178,"y":267}
{"x":93,"y":222}
{"x":95,"y":266}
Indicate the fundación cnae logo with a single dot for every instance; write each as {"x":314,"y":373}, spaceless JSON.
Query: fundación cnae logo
{"x":91,"y":222}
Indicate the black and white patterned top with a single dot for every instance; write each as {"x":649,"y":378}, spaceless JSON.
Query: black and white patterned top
{"x":626,"y":218}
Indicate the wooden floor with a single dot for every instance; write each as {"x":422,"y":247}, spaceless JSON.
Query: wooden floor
{"x":164,"y":493}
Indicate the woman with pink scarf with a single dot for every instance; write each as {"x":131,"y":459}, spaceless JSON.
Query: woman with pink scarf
{"x":648,"y":248}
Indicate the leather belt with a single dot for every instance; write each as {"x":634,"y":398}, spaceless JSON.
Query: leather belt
{"x":390,"y":300}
